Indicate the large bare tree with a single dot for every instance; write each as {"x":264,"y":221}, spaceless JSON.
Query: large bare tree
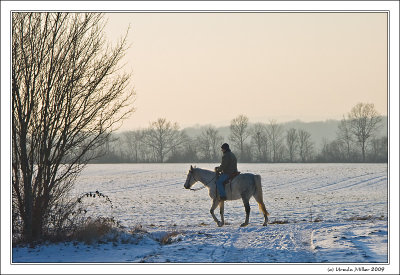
{"x":364,"y":120}
{"x":68,"y":94}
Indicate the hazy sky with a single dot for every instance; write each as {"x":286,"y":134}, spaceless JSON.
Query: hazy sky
{"x":207,"y":68}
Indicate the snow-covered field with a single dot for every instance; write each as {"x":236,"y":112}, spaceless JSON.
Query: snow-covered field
{"x":319,"y":213}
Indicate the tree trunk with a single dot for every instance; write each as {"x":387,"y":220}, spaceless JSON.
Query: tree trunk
{"x":363,"y":151}
{"x":27,"y":219}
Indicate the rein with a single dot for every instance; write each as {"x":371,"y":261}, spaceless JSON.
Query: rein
{"x":205,"y":184}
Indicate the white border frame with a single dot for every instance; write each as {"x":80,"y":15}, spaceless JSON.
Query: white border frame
{"x":287,"y":6}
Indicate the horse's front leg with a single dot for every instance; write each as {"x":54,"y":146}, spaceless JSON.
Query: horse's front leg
{"x":213,"y":206}
{"x":247,"y":209}
{"x":221,"y":212}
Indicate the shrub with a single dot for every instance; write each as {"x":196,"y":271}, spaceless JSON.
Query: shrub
{"x":75,"y":219}
{"x":94,"y":230}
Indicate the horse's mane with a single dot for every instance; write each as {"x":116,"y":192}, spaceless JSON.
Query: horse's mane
{"x":206,"y":170}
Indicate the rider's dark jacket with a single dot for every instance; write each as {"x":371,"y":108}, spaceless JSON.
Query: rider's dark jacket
{"x":229,"y":163}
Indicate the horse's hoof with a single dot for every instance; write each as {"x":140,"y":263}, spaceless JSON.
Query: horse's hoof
{"x":243,"y":224}
{"x":265,"y":224}
{"x":220,"y":224}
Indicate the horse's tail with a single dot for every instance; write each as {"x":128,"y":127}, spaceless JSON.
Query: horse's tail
{"x":259,"y":195}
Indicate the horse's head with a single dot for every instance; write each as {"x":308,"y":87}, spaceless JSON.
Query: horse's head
{"x":190,"y":180}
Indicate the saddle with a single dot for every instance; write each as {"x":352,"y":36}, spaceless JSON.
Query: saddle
{"x":231,"y":177}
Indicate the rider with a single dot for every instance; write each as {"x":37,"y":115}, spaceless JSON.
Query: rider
{"x":228,"y":167}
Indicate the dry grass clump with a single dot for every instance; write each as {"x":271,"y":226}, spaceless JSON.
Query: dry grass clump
{"x":94,"y":230}
{"x":169,"y":237}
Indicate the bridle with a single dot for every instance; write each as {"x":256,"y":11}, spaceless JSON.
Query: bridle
{"x":205,"y":184}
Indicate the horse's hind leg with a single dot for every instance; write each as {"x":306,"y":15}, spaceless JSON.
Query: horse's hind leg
{"x":213,"y":206}
{"x":221,"y":211}
{"x":247,"y":208}
{"x":261,"y":205}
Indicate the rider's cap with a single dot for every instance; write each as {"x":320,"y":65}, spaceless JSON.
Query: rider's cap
{"x":225,"y":146}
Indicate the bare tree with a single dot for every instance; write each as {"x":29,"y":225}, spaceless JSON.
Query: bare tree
{"x":185,"y":151}
{"x":345,"y":136}
{"x":364,"y":121}
{"x":68,"y":93}
{"x":133,"y":140}
{"x":333,"y":151}
{"x":209,"y":143}
{"x":305,"y":145}
{"x":259,"y":139}
{"x":239,"y":133}
{"x":292,"y":142}
{"x":275,"y":135}
{"x":163,"y":136}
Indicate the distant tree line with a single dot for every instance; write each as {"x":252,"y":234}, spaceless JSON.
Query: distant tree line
{"x":163,"y":141}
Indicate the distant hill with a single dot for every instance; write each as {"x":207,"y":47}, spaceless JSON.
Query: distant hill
{"x":319,"y":130}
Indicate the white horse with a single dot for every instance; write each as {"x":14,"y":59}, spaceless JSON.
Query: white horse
{"x":243,"y":186}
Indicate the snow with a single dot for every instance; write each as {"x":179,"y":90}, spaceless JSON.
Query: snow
{"x":319,"y":214}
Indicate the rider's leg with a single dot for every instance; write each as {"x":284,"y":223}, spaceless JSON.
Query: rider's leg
{"x":220,"y":185}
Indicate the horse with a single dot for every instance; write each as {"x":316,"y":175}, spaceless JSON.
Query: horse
{"x":243,"y":186}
